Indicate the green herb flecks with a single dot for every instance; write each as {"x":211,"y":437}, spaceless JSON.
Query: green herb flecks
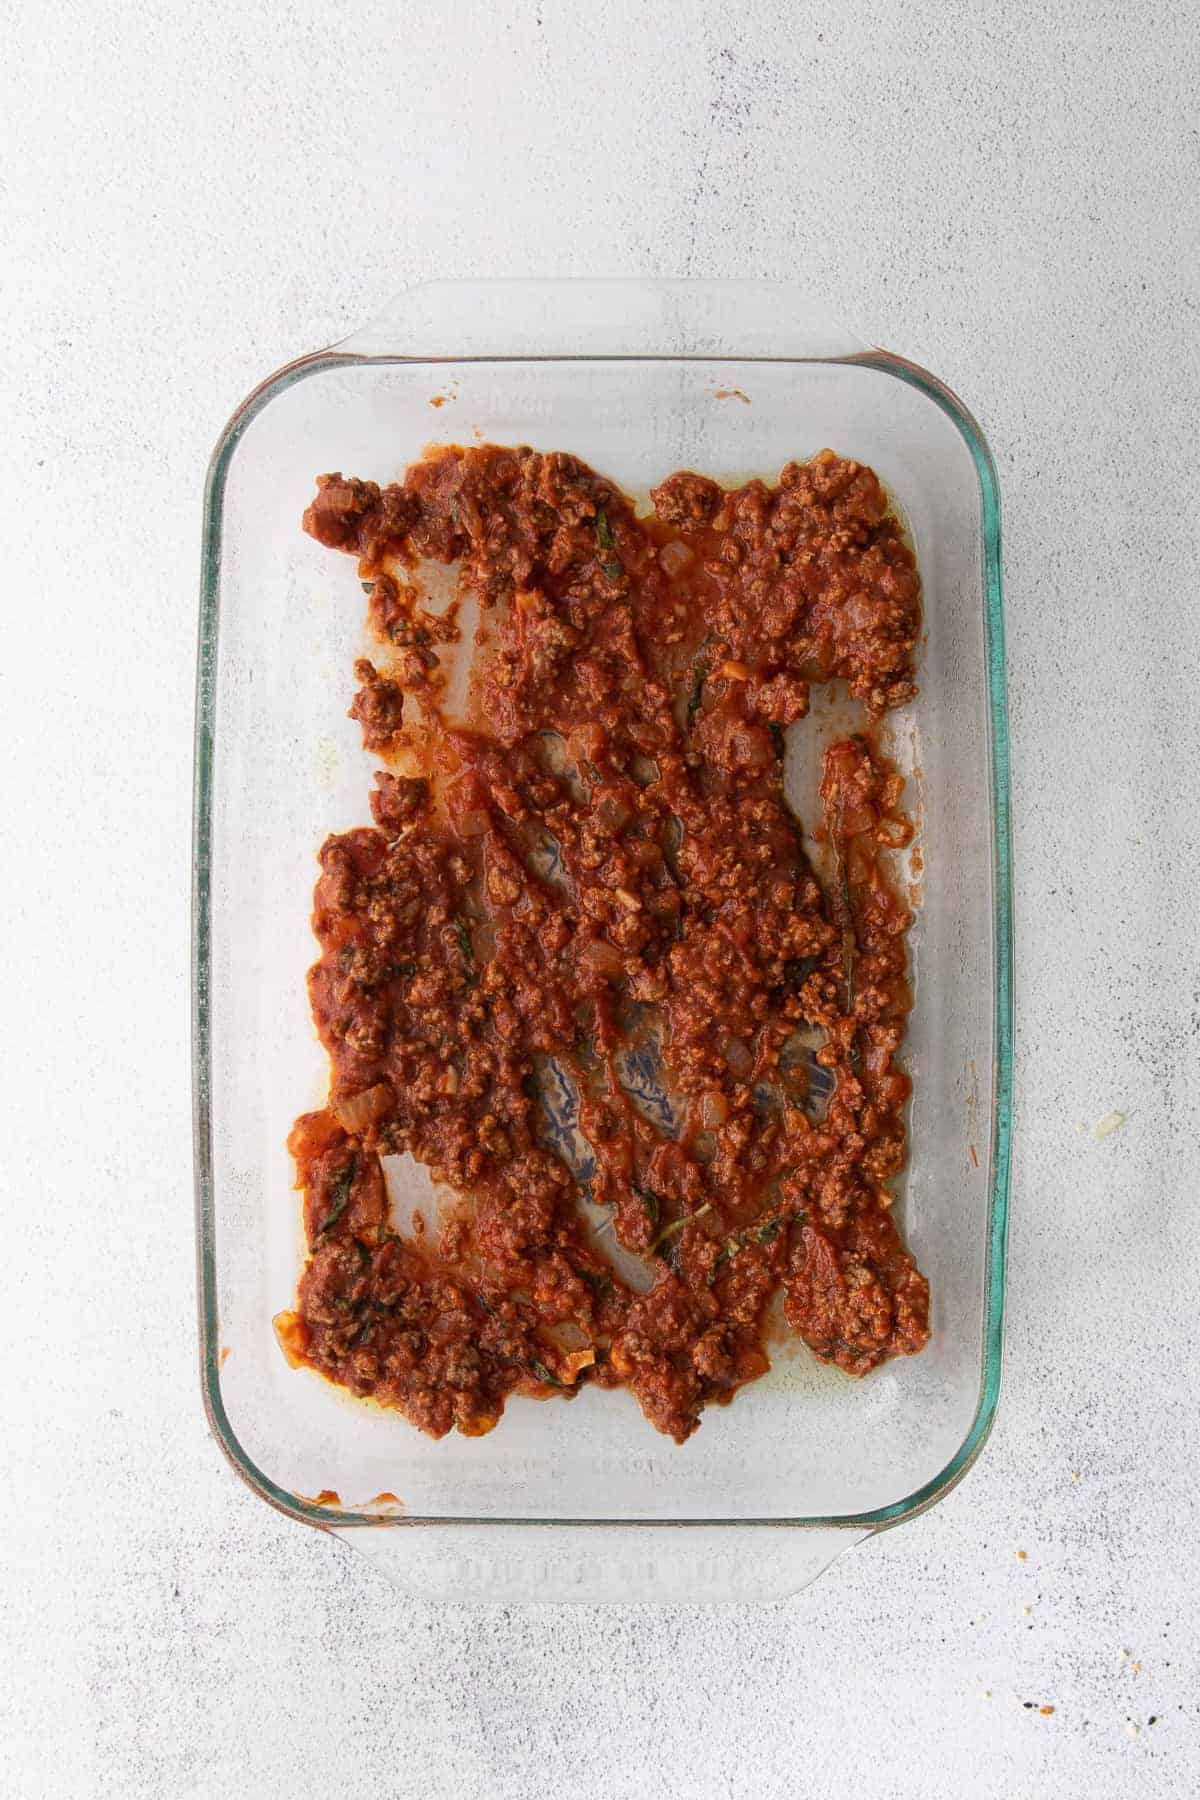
{"x":339,"y":1196}
{"x":612,"y":567}
{"x":761,"y":1235}
{"x":672,"y":1255}
{"x":726,"y":1254}
{"x":703,"y":668}
{"x":544,"y":1374}
{"x":365,"y":1332}
{"x":600,"y":1283}
{"x":676,"y":1226}
{"x":651,"y":1202}
{"x":462,"y":932}
{"x":668,"y":1245}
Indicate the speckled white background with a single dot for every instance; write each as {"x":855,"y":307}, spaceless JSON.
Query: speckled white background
{"x":193,"y":194}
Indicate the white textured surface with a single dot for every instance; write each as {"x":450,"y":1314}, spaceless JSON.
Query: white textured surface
{"x":191,"y":195}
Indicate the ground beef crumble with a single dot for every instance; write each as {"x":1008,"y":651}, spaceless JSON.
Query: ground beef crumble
{"x":597,"y":874}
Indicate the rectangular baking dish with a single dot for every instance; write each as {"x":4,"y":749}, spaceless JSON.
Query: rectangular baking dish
{"x":639,"y":378}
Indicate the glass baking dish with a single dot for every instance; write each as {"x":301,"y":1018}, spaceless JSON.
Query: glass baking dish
{"x":639,"y":378}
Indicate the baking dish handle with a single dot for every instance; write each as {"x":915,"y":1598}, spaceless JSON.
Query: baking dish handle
{"x":465,"y":321}
{"x":590,"y":1564}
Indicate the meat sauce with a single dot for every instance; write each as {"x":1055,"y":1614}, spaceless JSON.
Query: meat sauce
{"x":595,"y":871}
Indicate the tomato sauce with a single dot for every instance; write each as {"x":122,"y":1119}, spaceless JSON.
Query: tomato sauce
{"x":581,"y":966}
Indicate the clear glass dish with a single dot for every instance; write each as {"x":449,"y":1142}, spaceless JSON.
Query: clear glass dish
{"x":639,"y":378}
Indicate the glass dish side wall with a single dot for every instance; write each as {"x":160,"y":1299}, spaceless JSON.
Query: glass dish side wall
{"x":277,"y":767}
